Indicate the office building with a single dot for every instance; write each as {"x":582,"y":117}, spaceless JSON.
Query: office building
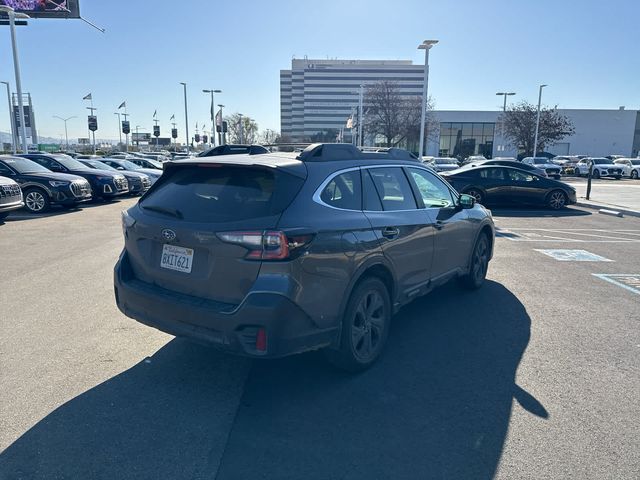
{"x":318,"y":96}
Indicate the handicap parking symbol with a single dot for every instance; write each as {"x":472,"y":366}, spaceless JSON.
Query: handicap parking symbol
{"x":573,"y":255}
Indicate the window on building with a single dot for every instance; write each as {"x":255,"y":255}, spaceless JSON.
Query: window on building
{"x":464,"y":139}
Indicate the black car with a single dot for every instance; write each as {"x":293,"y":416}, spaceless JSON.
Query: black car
{"x":273,"y":255}
{"x":234,"y":149}
{"x":105,"y":184}
{"x":139,"y":183}
{"x":127,"y":166}
{"x":42,"y":187}
{"x":509,"y":163}
{"x":495,"y":184}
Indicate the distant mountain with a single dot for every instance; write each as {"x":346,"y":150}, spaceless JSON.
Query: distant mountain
{"x":6,"y":138}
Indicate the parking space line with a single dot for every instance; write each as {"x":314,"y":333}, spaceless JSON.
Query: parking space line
{"x":577,"y":235}
{"x":615,"y":278}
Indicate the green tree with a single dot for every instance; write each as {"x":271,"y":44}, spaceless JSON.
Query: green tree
{"x":520,"y":127}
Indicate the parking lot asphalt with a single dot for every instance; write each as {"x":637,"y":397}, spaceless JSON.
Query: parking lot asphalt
{"x":536,"y":375}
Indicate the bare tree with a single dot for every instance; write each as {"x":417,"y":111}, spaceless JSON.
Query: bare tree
{"x":393,"y":116}
{"x":520,"y":126}
{"x":249,"y":129}
{"x":269,"y":136}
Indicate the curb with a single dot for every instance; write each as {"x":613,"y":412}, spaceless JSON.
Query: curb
{"x":608,"y":208}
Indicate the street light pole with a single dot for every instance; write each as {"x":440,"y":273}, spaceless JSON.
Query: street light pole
{"x":535,"y":142}
{"x":360,"y":115}
{"x":16,"y":66}
{"x":426,"y":46}
{"x":222,"y":133}
{"x":213,"y":114}
{"x":14,"y":143}
{"x":504,"y":111}
{"x":65,"y":120}
{"x":119,"y":127}
{"x":186,"y":116}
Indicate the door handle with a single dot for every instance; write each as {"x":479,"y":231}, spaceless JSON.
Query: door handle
{"x":391,"y":232}
{"x":439,"y":225}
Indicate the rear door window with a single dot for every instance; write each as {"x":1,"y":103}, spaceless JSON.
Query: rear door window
{"x":393,"y":188}
{"x":344,"y":191}
{"x":216,"y":193}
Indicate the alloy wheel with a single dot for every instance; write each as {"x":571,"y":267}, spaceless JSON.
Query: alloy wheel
{"x":557,"y":200}
{"x":367,"y":326}
{"x":480,"y":260}
{"x":35,"y":201}
{"x":475,"y":194}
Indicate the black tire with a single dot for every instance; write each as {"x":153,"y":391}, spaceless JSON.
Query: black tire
{"x":3,"y":215}
{"x":365,"y":327}
{"x":618,"y":177}
{"x":475,"y":193}
{"x":36,"y":200}
{"x":595,"y":174}
{"x":634,"y":174}
{"x":557,"y":200}
{"x":479,"y":264}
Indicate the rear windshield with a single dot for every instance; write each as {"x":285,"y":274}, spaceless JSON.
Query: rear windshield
{"x":222,"y":193}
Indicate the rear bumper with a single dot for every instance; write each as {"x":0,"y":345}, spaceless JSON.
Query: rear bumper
{"x":232,"y":328}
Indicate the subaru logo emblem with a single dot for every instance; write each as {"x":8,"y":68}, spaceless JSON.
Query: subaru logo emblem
{"x":168,"y":235}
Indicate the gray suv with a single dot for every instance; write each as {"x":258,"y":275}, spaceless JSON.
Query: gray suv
{"x":271,"y":255}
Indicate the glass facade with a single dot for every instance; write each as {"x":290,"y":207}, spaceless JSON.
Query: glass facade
{"x":464,"y":139}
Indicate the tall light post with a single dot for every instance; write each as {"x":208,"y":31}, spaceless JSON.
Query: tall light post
{"x":138,"y":136}
{"x":119,"y":127}
{"x":240,"y":128}
{"x":360,"y":115}
{"x":535,"y":141}
{"x":14,"y":143}
{"x":504,"y":111}
{"x":426,"y":46}
{"x":213,"y":113}
{"x":16,"y":66}
{"x":66,"y":134}
{"x":222,"y":137}
{"x":186,"y":116}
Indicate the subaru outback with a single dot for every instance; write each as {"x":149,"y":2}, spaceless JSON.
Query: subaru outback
{"x":270,"y":255}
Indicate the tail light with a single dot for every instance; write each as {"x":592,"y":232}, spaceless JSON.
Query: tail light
{"x":267,"y":245}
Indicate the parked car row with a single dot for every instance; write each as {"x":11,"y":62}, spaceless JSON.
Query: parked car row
{"x":47,"y":179}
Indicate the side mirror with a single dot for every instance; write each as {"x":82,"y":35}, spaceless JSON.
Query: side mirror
{"x":466,"y":201}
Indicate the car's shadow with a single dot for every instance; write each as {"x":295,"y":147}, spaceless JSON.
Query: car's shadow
{"x":437,"y":405}
{"x":56,"y":211}
{"x":529,"y":212}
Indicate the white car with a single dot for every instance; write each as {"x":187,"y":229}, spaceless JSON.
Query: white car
{"x":630,"y":167}
{"x":545,"y":164}
{"x":602,"y":167}
{"x":10,"y":197}
{"x":443,"y":164}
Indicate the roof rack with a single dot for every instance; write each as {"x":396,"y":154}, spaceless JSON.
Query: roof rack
{"x":324,"y":152}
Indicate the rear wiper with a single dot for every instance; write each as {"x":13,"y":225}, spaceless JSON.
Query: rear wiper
{"x":166,"y":210}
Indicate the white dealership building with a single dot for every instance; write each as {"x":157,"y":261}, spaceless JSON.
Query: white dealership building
{"x":597,"y":133}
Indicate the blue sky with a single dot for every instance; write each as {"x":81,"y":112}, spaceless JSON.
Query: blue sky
{"x":586,"y":51}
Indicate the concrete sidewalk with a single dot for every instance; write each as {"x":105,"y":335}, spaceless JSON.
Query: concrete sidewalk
{"x":621,"y":195}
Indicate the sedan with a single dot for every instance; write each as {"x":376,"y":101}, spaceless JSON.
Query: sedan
{"x":139,"y":183}
{"x":510,"y":163}
{"x":508,"y":185}
{"x":126,"y":165}
{"x":443,"y":164}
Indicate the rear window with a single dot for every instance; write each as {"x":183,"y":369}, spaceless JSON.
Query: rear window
{"x":222,"y":193}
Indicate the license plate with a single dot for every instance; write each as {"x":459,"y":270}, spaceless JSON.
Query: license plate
{"x":176,"y":258}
